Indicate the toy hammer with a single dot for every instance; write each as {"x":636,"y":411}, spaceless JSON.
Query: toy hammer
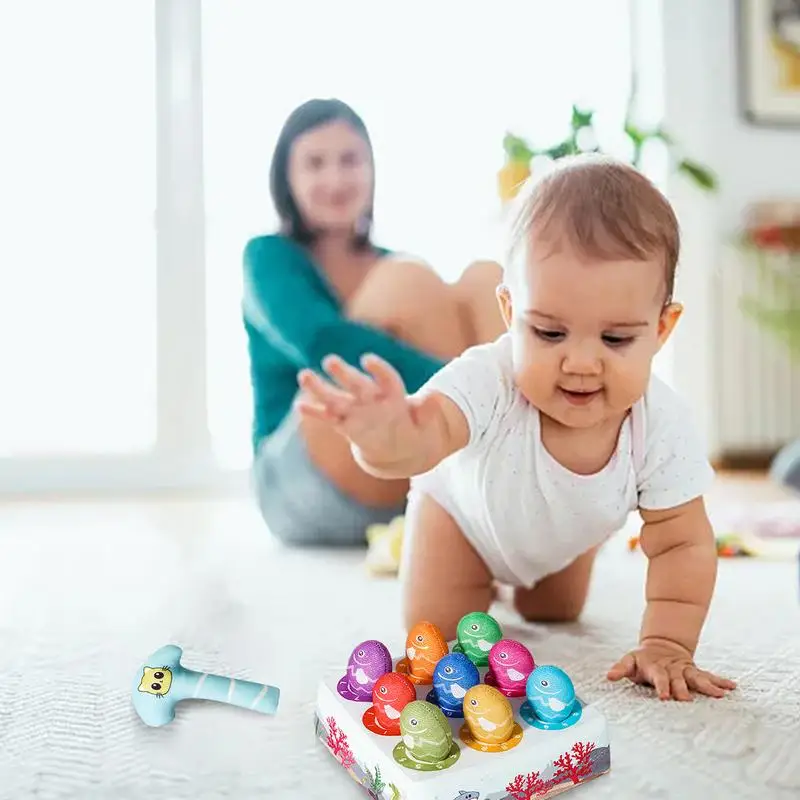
{"x":162,"y":682}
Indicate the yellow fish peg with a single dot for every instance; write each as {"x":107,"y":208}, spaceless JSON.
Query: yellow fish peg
{"x":489,"y":724}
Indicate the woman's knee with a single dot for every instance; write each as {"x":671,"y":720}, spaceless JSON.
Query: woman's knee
{"x":478,"y":283}
{"x":476,"y":291}
{"x":396,"y":288}
{"x":481,"y":275}
{"x":408,"y":300}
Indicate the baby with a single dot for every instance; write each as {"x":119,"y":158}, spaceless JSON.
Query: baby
{"x":527,"y":453}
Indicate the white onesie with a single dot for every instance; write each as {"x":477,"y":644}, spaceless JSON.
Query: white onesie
{"x":527,"y":515}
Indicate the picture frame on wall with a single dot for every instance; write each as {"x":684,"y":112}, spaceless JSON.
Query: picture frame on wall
{"x":769,"y":61}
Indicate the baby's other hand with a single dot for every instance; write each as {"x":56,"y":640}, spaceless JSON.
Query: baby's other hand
{"x":670,"y":669}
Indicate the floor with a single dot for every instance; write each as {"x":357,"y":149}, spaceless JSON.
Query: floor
{"x":89,"y":589}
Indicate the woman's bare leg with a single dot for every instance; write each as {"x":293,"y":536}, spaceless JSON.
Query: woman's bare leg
{"x":442,"y":576}
{"x":409,"y":300}
{"x":476,"y":291}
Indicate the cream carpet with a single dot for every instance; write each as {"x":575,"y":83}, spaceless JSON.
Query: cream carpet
{"x":87,"y":591}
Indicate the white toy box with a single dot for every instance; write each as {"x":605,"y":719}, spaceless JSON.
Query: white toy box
{"x":534,"y":758}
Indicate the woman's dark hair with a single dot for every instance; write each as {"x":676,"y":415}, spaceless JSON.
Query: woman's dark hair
{"x":304,"y":118}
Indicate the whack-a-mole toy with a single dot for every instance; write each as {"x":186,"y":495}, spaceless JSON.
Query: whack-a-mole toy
{"x":477,"y":718}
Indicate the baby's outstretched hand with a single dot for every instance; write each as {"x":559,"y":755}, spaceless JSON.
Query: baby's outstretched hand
{"x":370,"y":408}
{"x":670,"y":669}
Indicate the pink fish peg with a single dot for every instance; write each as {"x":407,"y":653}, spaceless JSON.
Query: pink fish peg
{"x":510,"y":664}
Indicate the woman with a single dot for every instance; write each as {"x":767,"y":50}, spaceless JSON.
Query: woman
{"x":321,"y":286}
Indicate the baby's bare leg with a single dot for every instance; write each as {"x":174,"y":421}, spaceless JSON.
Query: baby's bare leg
{"x":559,"y":597}
{"x":443,"y":577}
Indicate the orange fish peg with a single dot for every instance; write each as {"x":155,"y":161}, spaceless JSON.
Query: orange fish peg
{"x":425,"y":645}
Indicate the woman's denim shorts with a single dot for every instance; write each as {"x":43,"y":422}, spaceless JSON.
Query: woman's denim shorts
{"x":299,"y":504}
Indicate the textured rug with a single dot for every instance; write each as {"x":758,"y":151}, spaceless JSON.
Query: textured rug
{"x":87,"y":593}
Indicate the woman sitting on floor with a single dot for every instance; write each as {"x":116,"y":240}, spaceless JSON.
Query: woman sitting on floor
{"x":321,"y":286}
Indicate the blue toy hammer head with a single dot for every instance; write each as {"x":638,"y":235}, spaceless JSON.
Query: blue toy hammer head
{"x":153,"y":695}
{"x":162,"y":682}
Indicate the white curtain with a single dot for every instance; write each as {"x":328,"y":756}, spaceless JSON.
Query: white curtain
{"x":438,"y":85}
{"x":77,"y":247}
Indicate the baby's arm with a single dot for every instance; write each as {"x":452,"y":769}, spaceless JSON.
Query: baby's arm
{"x":679,"y":544}
{"x":392,"y":434}
{"x":681,"y":574}
{"x":678,"y":541}
{"x":440,"y":428}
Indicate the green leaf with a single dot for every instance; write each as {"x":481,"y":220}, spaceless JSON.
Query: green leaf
{"x":565,"y":148}
{"x":580,"y":119}
{"x":636,"y":135}
{"x":701,"y":175}
{"x":517,"y":149}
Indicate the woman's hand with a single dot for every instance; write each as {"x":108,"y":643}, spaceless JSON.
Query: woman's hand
{"x":383,"y":424}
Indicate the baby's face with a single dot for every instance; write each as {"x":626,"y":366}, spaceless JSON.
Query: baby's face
{"x":584,"y":334}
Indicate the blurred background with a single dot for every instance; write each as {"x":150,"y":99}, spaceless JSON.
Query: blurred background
{"x":135,"y":167}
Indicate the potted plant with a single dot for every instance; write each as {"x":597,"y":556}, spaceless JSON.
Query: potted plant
{"x":519,"y":154}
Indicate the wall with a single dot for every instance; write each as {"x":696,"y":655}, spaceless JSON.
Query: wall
{"x":700,"y":103}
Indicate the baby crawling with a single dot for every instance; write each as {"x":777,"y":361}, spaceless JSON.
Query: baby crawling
{"x":527,"y":453}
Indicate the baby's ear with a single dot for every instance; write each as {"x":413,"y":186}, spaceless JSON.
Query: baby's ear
{"x":667,"y":321}
{"x":504,"y":299}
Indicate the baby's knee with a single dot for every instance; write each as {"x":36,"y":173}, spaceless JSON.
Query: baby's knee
{"x":560,"y":613}
{"x":551,"y":609}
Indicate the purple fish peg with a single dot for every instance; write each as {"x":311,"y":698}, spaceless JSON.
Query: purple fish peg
{"x":368,"y":661}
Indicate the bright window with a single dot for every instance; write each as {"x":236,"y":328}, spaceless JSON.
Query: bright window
{"x":437,"y":90}
{"x":77,"y":251}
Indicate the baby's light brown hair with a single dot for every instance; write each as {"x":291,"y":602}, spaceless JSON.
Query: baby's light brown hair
{"x":601,"y":209}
